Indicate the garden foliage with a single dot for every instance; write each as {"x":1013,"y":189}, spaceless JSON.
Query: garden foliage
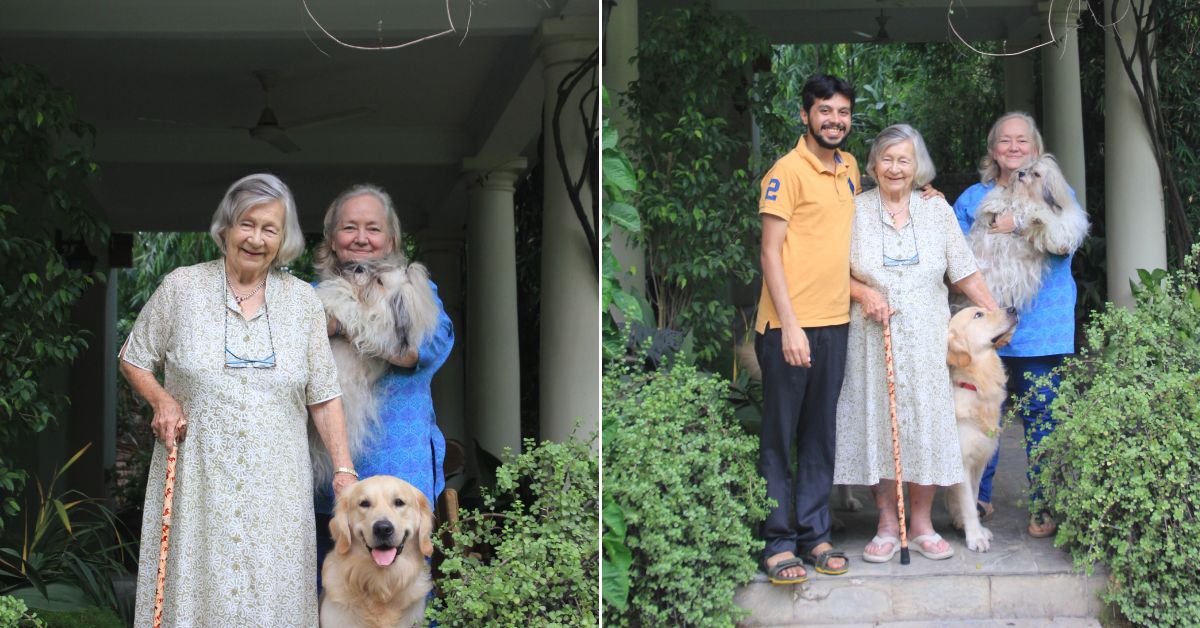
{"x":69,"y":551}
{"x":692,"y":108}
{"x":619,"y":181}
{"x":683,"y":498}
{"x":44,"y":156}
{"x":14,"y":614}
{"x":534,"y":562}
{"x":1119,"y":471}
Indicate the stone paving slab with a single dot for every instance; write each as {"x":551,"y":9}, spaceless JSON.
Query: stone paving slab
{"x":1064,"y":622}
{"x":1021,"y":579}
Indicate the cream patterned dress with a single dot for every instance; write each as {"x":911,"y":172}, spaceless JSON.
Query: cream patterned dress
{"x":242,"y":551}
{"x":917,"y":291}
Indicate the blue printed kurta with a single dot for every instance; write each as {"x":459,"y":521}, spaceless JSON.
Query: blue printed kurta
{"x":411,"y":446}
{"x":1047,"y":325}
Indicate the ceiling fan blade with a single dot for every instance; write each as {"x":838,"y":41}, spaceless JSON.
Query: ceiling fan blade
{"x":275,"y":136}
{"x":330,"y":118}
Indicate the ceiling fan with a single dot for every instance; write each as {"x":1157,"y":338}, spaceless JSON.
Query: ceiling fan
{"x":881,"y":36}
{"x":268,"y":128}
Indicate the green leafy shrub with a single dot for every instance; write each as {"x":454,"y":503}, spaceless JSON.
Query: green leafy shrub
{"x":68,"y":553}
{"x":685,"y":498}
{"x":14,"y":614}
{"x":691,"y":107}
{"x":43,"y":161}
{"x":1120,"y":470}
{"x":619,"y":181}
{"x":540,"y":558}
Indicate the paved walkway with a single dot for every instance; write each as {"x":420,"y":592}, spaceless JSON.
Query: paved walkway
{"x":1021,"y":578}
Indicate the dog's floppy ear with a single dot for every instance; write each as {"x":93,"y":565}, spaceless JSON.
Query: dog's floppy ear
{"x":339,"y":526}
{"x":958,"y":353}
{"x":1055,"y":190}
{"x":425,"y":527}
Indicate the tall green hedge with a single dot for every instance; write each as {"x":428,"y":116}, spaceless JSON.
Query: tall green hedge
{"x":1120,"y":471}
{"x":682,"y":472}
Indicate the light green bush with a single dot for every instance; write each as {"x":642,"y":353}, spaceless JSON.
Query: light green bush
{"x":1120,"y":472}
{"x":541,"y":562}
{"x":14,"y":614}
{"x":682,"y":474}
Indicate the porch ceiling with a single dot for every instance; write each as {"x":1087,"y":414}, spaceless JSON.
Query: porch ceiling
{"x":168,"y":85}
{"x":855,"y":21}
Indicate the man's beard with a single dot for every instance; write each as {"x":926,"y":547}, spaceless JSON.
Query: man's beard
{"x":825,"y":144}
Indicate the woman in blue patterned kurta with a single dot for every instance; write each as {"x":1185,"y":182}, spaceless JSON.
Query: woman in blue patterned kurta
{"x":1046,"y":331}
{"x":361,"y":224}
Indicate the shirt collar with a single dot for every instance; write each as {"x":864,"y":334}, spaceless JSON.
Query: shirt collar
{"x":807,"y":155}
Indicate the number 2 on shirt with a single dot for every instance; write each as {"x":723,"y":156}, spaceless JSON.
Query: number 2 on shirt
{"x":772,"y":188}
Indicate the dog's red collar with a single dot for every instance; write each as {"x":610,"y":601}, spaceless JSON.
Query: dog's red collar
{"x":968,"y":386}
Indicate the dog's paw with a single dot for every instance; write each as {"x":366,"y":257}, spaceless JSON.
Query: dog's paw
{"x":853,"y":504}
{"x":980,"y":541}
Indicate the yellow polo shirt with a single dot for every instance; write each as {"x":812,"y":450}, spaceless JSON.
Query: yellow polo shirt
{"x":818,"y":206}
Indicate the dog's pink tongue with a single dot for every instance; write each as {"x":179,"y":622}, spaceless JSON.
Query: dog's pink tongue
{"x":384,"y":557}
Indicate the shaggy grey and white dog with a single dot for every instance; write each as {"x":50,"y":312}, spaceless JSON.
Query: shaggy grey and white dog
{"x":1048,"y":221}
{"x":386,"y":307}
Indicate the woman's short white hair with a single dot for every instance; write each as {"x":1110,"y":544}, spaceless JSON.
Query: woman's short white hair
{"x":252,"y":191}
{"x":896,"y":134}
{"x":323,"y":257}
{"x":989,"y":170}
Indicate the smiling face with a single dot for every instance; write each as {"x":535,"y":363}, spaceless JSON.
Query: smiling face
{"x":828,"y":120}
{"x":361,"y":232}
{"x":252,"y":242}
{"x":1015,"y":146}
{"x":895,"y":168}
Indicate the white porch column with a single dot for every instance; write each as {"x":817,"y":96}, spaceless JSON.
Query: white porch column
{"x":1062,"y":109}
{"x":1134,"y":211}
{"x":493,"y":354}
{"x":621,"y":41}
{"x":442,"y":250}
{"x":1018,"y":83}
{"x":569,"y":380}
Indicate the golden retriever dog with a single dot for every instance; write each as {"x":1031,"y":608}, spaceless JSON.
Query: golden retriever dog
{"x":376,"y":576}
{"x":386,"y":307}
{"x":1048,"y":220}
{"x":978,"y":382}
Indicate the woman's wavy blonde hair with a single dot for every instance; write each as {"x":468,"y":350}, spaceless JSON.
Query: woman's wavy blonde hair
{"x":989,"y":170}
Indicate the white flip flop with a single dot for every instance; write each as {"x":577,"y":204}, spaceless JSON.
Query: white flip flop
{"x":880,"y":541}
{"x":931,"y":538}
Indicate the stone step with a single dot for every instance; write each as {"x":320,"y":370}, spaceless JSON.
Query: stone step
{"x":1021,"y":579}
{"x":1062,"y":622}
{"x":926,"y":600}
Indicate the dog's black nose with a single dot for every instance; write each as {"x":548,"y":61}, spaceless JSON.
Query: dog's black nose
{"x":1011,"y":310}
{"x":383,"y":529}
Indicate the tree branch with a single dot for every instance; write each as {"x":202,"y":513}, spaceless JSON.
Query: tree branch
{"x":564,"y":90}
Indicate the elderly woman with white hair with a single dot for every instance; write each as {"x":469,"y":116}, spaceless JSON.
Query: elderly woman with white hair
{"x":361,"y":227}
{"x":246,"y":359}
{"x":902,"y":250}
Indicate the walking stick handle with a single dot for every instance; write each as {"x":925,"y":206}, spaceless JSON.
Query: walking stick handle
{"x":891,"y":383}
{"x":168,"y":499}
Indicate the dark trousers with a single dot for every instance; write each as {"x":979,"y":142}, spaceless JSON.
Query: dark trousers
{"x":799,"y":409}
{"x":1037,"y":419}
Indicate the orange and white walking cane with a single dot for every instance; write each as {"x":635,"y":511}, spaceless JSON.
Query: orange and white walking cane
{"x":891,"y":382}
{"x":168,"y":498}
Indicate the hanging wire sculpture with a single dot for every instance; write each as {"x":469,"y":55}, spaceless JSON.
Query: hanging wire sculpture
{"x":1078,"y":6}
{"x":379,"y":30}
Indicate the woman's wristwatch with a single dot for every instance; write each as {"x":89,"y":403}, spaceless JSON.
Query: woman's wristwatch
{"x":347,"y":471}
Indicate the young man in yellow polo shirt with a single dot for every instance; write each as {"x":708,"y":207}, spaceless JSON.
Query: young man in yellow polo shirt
{"x":807,"y":207}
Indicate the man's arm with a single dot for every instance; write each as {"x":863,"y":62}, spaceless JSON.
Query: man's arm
{"x":794,"y":340}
